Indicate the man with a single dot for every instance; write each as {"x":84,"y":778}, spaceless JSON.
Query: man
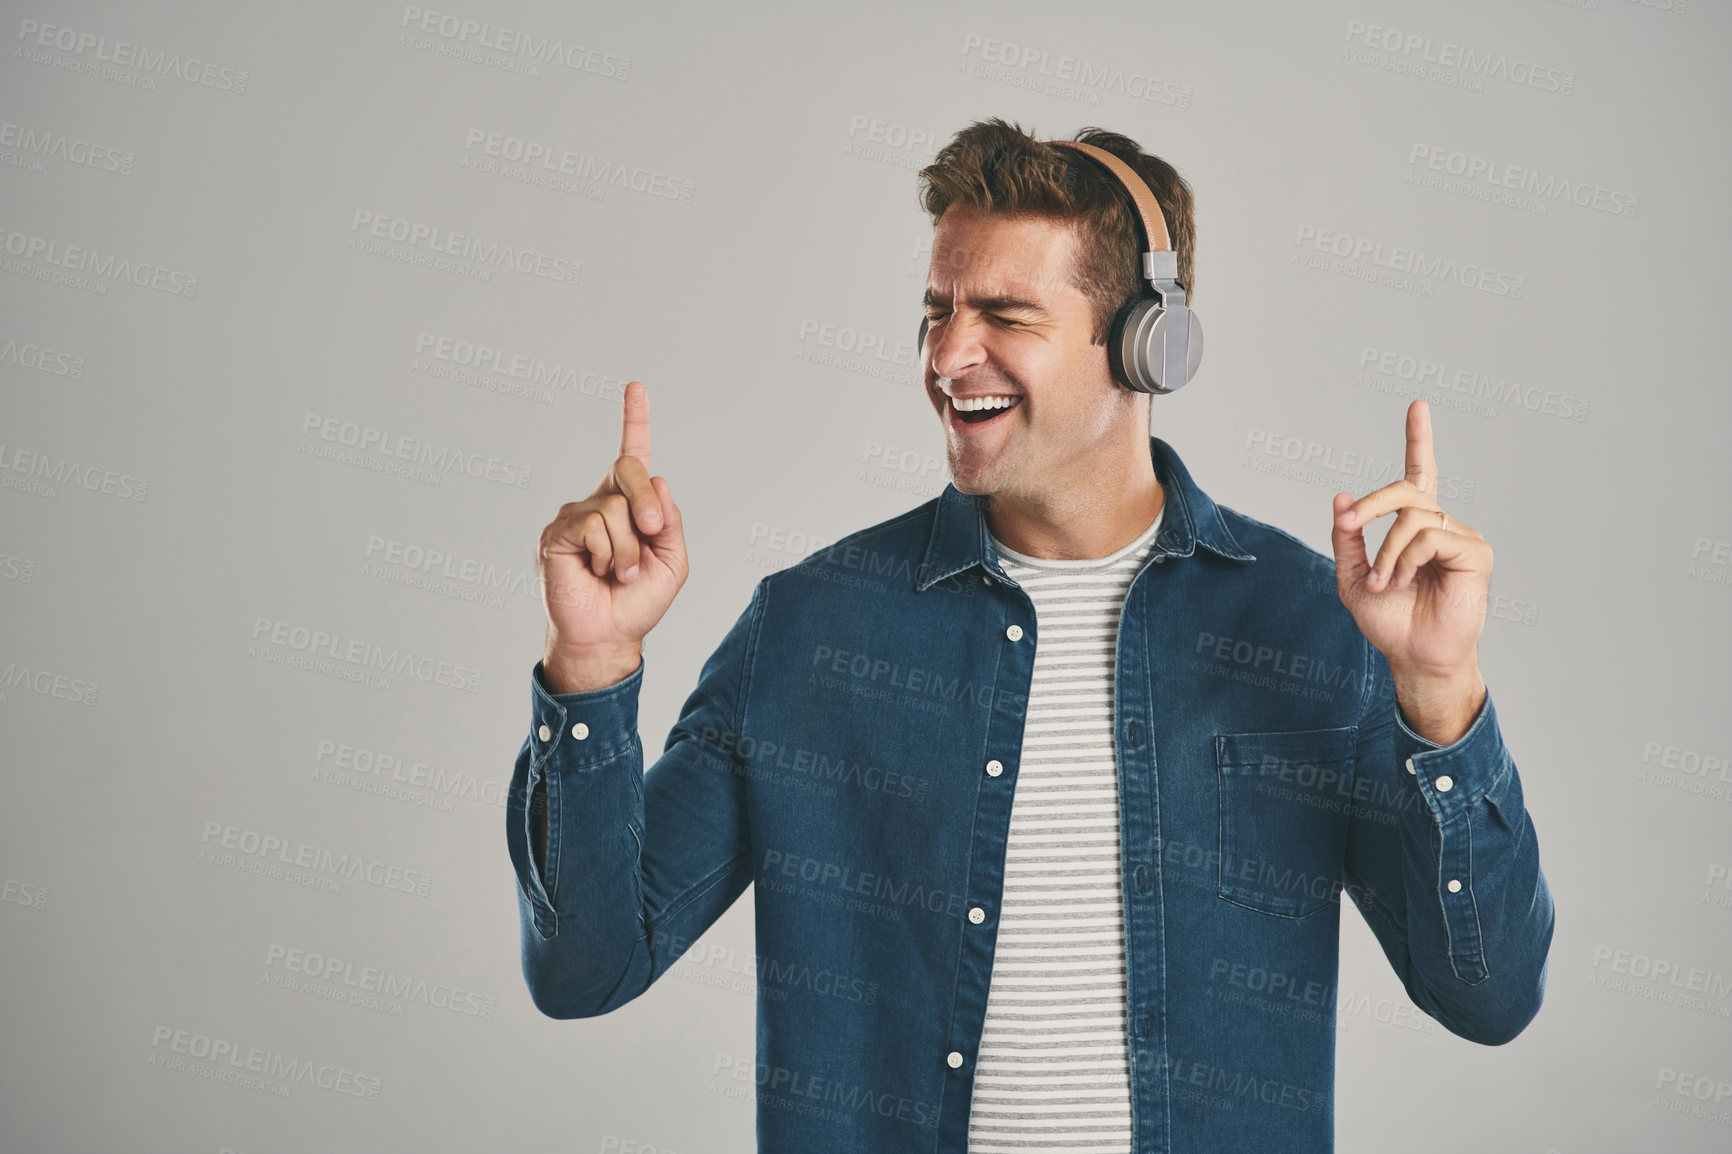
{"x":1050,"y":786}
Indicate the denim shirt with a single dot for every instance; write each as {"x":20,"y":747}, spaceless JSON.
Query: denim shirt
{"x":851,"y":748}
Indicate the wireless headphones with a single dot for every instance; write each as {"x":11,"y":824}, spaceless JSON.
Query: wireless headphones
{"x":1155,"y":342}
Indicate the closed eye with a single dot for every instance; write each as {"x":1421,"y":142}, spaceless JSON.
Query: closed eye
{"x":933,"y":319}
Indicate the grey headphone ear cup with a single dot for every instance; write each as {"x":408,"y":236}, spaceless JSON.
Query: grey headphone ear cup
{"x":1116,"y":358}
{"x":1134,"y":346}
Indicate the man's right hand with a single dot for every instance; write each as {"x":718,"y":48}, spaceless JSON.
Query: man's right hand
{"x":610,"y":565}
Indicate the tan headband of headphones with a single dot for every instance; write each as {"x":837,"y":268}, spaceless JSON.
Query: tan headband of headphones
{"x":1154,"y":221}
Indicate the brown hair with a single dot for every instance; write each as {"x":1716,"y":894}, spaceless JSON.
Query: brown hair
{"x":993,"y":166}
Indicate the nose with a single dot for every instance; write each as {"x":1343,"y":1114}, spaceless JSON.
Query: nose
{"x":954,"y":346}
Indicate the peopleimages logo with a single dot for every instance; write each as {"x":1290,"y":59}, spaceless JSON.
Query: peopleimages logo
{"x":225,"y":1060}
{"x":1472,"y":382}
{"x":46,"y":683}
{"x":44,"y":143}
{"x":227,"y":845}
{"x":421,"y":459}
{"x":343,"y":980}
{"x":1456,"y":62}
{"x":1068,"y":75}
{"x":431,"y":241}
{"x":515,"y":42}
{"x":1414,"y":265}
{"x":44,"y":472}
{"x":583,"y":166}
{"x":122,"y":54}
{"x":782,"y":1087}
{"x":362,"y":655}
{"x":104,"y":266}
{"x":1499,"y":176}
{"x":358,"y":764}
{"x":54,"y":362}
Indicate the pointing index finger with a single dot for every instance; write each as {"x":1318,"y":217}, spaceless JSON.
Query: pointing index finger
{"x":634,"y":438}
{"x":1421,"y":462}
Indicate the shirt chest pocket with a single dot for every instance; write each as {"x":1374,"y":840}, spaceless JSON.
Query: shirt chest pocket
{"x":1284,"y":809}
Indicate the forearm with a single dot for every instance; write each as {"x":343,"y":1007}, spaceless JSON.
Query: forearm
{"x":563,"y":673}
{"x":575,"y":806}
{"x":1454,"y":890}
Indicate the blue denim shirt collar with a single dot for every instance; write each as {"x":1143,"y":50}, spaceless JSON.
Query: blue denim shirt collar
{"x":959,"y":537}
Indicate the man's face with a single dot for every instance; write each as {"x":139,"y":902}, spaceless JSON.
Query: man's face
{"x":1005,"y":322}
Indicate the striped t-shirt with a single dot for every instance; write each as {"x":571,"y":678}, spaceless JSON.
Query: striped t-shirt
{"x":1053,"y":1071}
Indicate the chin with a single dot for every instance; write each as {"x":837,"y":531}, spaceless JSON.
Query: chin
{"x":975,"y":483}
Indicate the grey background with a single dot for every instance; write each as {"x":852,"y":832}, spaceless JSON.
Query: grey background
{"x":164,"y":725}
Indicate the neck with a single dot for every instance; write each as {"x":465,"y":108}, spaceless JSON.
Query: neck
{"x":1096,"y":515}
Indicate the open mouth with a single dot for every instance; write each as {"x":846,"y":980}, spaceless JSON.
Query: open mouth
{"x":981,"y":410}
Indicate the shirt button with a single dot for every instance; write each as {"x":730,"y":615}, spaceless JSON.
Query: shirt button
{"x":977,"y":915}
{"x":1160,"y":558}
{"x":1455,"y":885}
{"x":985,"y":579}
{"x":955,"y":1059}
{"x":994,"y":767}
{"x":1014,"y":633}
{"x":1410,"y":768}
{"x":1444,"y":783}
{"x":544,"y":733}
{"x":580,"y":731}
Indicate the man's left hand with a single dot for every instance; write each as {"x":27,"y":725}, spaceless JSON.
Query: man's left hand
{"x":1423,"y":602}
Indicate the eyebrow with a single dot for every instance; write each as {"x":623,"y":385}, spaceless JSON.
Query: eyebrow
{"x":1002,"y":303}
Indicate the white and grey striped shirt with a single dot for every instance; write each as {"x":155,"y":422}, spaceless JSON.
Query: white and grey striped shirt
{"x":1053,"y":1071}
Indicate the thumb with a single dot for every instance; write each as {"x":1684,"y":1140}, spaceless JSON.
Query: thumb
{"x":670,"y":531}
{"x":1351,"y":562}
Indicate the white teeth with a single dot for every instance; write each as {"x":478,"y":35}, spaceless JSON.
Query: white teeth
{"x":973,"y":404}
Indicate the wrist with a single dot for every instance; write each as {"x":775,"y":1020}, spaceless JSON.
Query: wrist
{"x":1439,"y":707}
{"x":581,"y":668}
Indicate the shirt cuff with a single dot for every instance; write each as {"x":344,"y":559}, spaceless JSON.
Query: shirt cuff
{"x":1453,"y":778}
{"x":581,"y":731}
